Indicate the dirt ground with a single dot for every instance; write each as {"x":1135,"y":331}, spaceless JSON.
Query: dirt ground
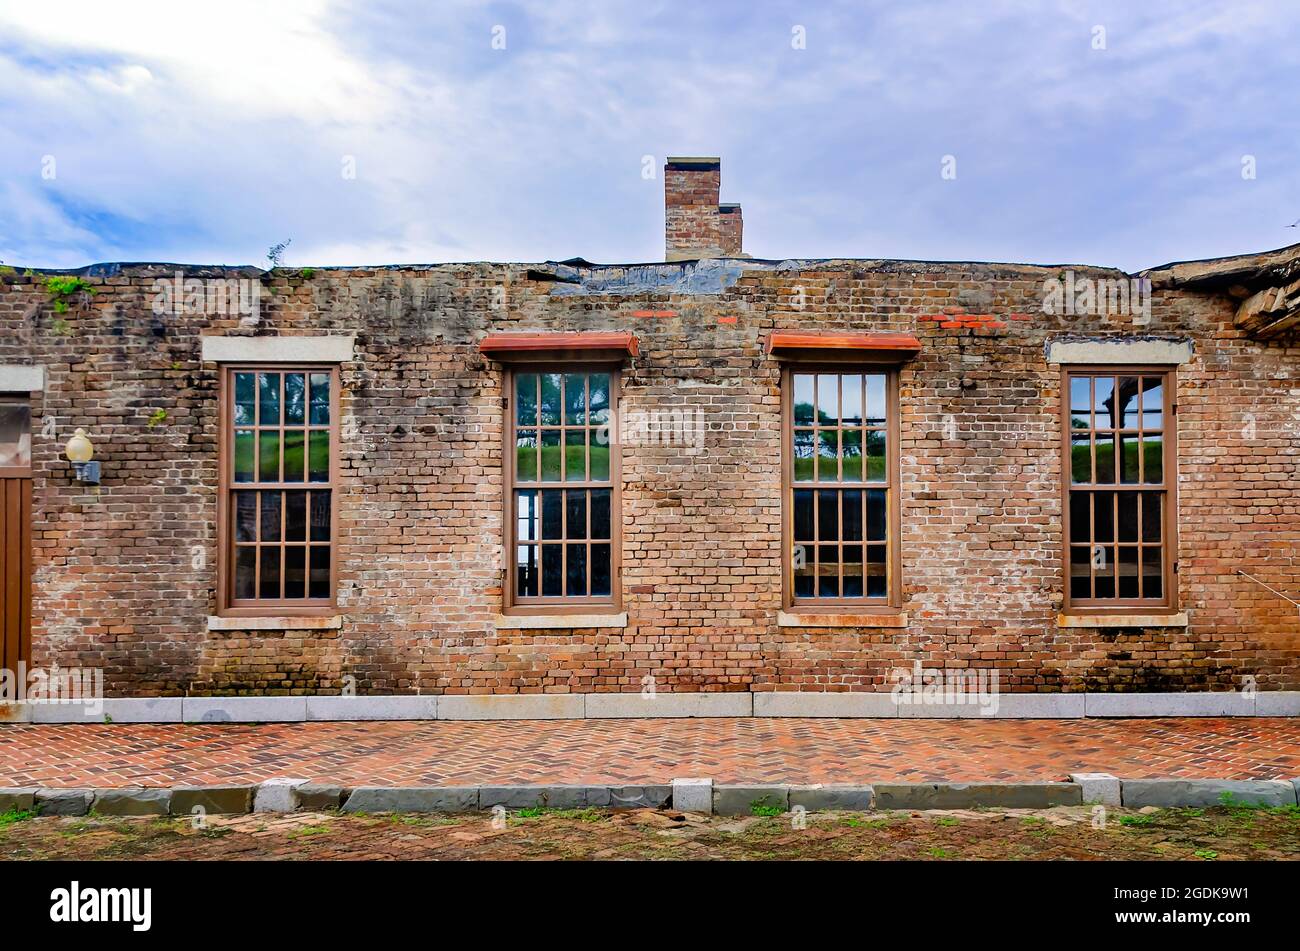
{"x":1217,"y":834}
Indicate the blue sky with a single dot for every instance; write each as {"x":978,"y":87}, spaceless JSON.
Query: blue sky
{"x":204,"y":132}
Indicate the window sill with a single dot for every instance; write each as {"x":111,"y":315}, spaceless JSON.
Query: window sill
{"x":318,"y":623}
{"x":1122,"y":620}
{"x":551,"y":622}
{"x":804,"y":619}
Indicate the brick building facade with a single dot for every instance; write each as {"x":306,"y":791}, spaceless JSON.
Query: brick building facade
{"x":128,"y":574}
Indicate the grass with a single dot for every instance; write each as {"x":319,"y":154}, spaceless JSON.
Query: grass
{"x":14,"y":815}
{"x":760,"y":807}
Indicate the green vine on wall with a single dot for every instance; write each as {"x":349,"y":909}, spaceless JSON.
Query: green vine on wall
{"x":63,"y":289}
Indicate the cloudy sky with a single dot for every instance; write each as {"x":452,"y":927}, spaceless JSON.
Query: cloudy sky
{"x":205,"y":131}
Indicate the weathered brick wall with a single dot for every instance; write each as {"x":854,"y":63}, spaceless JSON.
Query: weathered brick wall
{"x":124,"y":573}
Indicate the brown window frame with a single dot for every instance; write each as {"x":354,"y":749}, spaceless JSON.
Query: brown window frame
{"x":513,"y":604}
{"x":227,"y":604}
{"x":892,"y":602}
{"x":1168,"y":544}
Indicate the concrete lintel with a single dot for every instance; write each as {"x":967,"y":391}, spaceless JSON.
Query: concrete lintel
{"x":630,"y":705}
{"x":275,"y":623}
{"x":1122,"y":620}
{"x":1218,"y":704}
{"x":554,"y":622}
{"x":1133,"y":351}
{"x":801,"y":619}
{"x":276,"y":349}
{"x":18,"y":378}
{"x":533,"y":706}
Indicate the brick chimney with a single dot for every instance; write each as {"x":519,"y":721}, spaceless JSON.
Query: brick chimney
{"x":695,"y":225}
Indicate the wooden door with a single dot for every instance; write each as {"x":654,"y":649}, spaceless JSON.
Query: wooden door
{"x":15,"y":533}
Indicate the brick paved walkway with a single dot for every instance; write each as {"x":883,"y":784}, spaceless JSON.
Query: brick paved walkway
{"x":637,"y":751}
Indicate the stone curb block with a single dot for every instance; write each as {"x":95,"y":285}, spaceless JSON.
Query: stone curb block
{"x":314,"y":797}
{"x":372,"y":708}
{"x":1277,"y":703}
{"x":276,"y":795}
{"x":63,"y":802}
{"x":640,"y":797}
{"x":821,"y":798}
{"x":133,"y":801}
{"x":541,"y":706}
{"x":672,"y":705}
{"x":806,"y":704}
{"x":973,"y":795}
{"x":1208,"y":704}
{"x":740,"y":800}
{"x":125,"y":710}
{"x":212,"y":800}
{"x":547,"y":797}
{"x":693,"y":795}
{"x":17,"y":798}
{"x":1098,"y":787}
{"x":412,"y":799}
{"x":244,"y":709}
{"x":1181,"y":793}
{"x":13,"y":712}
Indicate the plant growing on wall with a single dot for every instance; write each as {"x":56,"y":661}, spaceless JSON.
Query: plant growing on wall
{"x":275,"y":253}
{"x":63,"y":289}
{"x":157,"y":418}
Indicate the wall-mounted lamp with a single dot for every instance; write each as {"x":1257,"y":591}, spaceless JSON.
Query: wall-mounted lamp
{"x":80,"y":451}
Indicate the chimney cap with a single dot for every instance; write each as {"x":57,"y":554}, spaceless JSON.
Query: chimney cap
{"x":691,"y":161}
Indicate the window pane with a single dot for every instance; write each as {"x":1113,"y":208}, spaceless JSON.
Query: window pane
{"x":244,"y":455}
{"x":1103,"y":564}
{"x":1080,"y":573}
{"x":320,"y":516}
{"x":552,"y":515}
{"x":1128,"y":459}
{"x":295,"y":571}
{"x":876,"y":515}
{"x":1128,"y":401}
{"x":875,"y":454}
{"x":245,"y":516}
{"x":320,"y":399}
{"x":526,"y":571}
{"x":1080,"y":522}
{"x":803,"y":399}
{"x":270,"y":516}
{"x":526,"y":399}
{"x":803,"y":572}
{"x":1128,"y":571}
{"x":576,"y":514}
{"x":1080,"y":459}
{"x":575,"y":455}
{"x":1103,"y":516}
{"x":268,"y":398}
{"x":295,"y":516}
{"x":320,"y":455}
{"x":1105,"y":459}
{"x":1128,"y":516}
{"x":828,"y":515}
{"x":828,"y":455}
{"x":1153,"y":469}
{"x":1152,"y":576}
{"x":803,"y":455}
{"x":600,"y":513}
{"x":852,"y":451}
{"x":1151,"y":524}
{"x":526,"y":516}
{"x":295,"y":398}
{"x":268,"y":456}
{"x":851,"y":515}
{"x":1153,"y":402}
{"x":320,"y":572}
{"x":877,"y":572}
{"x":1103,"y":389}
{"x":575,"y":399}
{"x":552,"y":571}
{"x":245,"y":397}
{"x":803,"y":515}
{"x":828,"y":571}
{"x":551,"y":399}
{"x":599,"y":450}
{"x":852,"y":571}
{"x":1080,"y":402}
{"x":601,"y":570}
{"x":245,"y":572}
{"x":598,"y":411}
{"x":876,"y":399}
{"x":526,"y":455}
{"x":828,"y":399}
{"x":270,"y":580}
{"x":550,"y":455}
{"x":851,"y":399}
{"x":294,"y":460}
{"x":576,"y":572}
{"x":15,"y":434}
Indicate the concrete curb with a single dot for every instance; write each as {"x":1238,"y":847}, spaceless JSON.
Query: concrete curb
{"x":590,"y":706}
{"x":685,"y":795}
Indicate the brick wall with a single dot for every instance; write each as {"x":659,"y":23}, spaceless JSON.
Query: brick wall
{"x":124,"y":572}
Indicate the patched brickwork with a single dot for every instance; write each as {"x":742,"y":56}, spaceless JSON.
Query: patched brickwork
{"x":125,"y":572}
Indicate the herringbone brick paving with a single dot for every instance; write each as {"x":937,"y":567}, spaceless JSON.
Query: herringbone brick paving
{"x":642,"y":751}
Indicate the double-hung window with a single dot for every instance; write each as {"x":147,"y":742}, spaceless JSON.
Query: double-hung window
{"x":841,"y":488}
{"x":1119,"y":462}
{"x":278,"y":485}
